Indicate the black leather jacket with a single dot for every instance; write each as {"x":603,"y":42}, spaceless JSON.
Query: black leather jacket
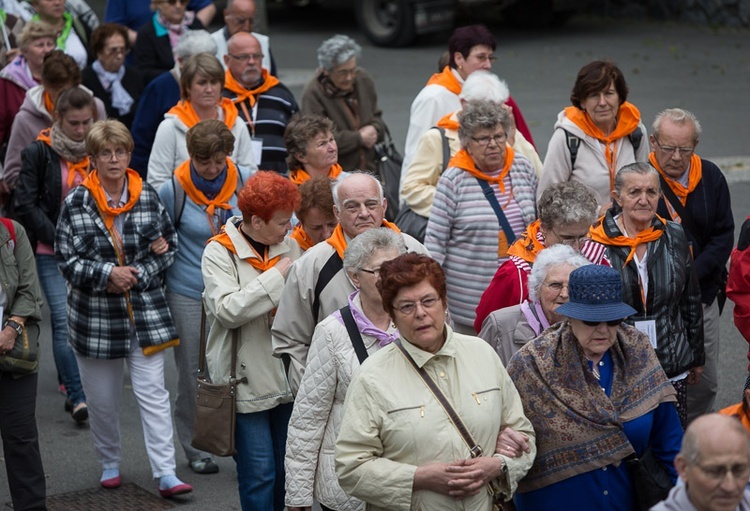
{"x":674,"y":295}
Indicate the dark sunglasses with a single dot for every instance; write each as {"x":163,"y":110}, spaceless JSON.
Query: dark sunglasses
{"x":614,"y":322}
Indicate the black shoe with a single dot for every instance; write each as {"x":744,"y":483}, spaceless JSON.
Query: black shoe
{"x":80,"y":413}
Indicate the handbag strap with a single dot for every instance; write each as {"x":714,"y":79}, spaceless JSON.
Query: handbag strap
{"x":202,"y":355}
{"x":687,"y":220}
{"x":476,"y":449}
{"x":489,"y":194}
{"x":354,"y":334}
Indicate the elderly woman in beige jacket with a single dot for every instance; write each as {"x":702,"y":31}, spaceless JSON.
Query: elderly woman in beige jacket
{"x":332,"y":360}
{"x":396,"y":449}
{"x":244,"y":268}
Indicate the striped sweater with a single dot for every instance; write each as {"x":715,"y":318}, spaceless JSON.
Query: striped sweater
{"x":463,"y":229}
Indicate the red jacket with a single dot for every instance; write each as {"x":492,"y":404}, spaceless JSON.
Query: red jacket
{"x":738,"y":283}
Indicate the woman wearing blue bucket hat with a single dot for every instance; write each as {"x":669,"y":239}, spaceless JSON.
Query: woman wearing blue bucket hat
{"x":595,"y":393}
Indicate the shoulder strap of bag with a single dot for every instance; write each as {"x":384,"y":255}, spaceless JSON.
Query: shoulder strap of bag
{"x":572,"y":142}
{"x":202,"y":355}
{"x":354,"y":334}
{"x":446,"y":147}
{"x":329,"y":270}
{"x":489,"y":193}
{"x":179,"y":201}
{"x":635,"y":139}
{"x":476,"y":449}
{"x":687,"y":219}
{"x":8,"y":223}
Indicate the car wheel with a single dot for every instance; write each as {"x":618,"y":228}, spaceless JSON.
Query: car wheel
{"x":386,"y":22}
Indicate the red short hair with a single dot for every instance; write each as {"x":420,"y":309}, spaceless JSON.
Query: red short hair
{"x":409,"y":270}
{"x":265,"y":193}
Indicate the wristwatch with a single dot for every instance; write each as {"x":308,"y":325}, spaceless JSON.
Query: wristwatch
{"x":18,"y":327}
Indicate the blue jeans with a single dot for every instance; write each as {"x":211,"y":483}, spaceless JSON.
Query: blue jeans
{"x":260,"y":441}
{"x":55,"y":292}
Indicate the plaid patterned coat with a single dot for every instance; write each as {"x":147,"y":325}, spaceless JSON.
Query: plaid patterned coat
{"x":98,"y":321}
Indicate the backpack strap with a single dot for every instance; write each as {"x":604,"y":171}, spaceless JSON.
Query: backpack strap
{"x":573,"y":142}
{"x":179,"y":201}
{"x":446,"y":147}
{"x":329,"y":270}
{"x":635,"y":139}
{"x":354,"y":333}
{"x":8,"y":223}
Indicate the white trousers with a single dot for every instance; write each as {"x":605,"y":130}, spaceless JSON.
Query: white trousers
{"x":103,"y":382}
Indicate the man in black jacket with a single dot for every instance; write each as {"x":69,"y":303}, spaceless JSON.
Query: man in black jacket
{"x":695,"y":193}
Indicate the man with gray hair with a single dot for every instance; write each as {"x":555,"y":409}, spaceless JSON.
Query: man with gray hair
{"x":161,"y":94}
{"x":239,"y":16}
{"x":695,"y":194}
{"x":317,"y":284}
{"x":714,"y":464}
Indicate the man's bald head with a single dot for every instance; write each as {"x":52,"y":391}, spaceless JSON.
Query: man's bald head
{"x":239,"y":16}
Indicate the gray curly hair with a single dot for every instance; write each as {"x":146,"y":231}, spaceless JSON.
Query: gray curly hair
{"x":481,"y":114}
{"x":361,"y":248}
{"x":337,"y":50}
{"x":549,"y":258}
{"x":569,"y":202}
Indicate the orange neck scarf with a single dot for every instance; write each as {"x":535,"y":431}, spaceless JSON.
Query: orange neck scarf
{"x":338,"y":240}
{"x":260,"y":262}
{"x":463,"y":161}
{"x":299,"y":176}
{"x":48,"y":104}
{"x":301,"y":237}
{"x":694,"y":177}
{"x":448,"y":122}
{"x":527,"y":246}
{"x":182,"y":173}
{"x":135,"y":185}
{"x":80,"y":168}
{"x":267,"y":83}
{"x":446,"y":79}
{"x":651,"y":234}
{"x":186,"y":113}
{"x":628,"y":118}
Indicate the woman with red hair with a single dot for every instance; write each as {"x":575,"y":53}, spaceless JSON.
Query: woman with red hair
{"x":244,"y":269}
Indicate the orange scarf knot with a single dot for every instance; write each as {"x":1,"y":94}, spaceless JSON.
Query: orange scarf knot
{"x":628,"y":118}
{"x":463,"y":161}
{"x":694,"y":177}
{"x":94,"y":185}
{"x":301,"y":237}
{"x":527,"y":246}
{"x":338,"y":240}
{"x":185,"y":112}
{"x":268,"y":82}
{"x":598,"y":234}
{"x":260,"y":263}
{"x":49,"y":105}
{"x":446,"y":79}
{"x":299,"y":176}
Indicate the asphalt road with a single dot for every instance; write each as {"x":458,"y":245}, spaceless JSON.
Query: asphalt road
{"x":701,"y":69}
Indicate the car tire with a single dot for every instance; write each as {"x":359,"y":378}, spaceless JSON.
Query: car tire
{"x":387,"y":23}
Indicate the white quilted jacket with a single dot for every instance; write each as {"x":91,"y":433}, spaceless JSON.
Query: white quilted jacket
{"x":315,"y":422}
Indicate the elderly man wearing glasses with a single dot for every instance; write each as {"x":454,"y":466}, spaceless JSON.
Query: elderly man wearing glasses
{"x":695,"y":194}
{"x":239,"y":16}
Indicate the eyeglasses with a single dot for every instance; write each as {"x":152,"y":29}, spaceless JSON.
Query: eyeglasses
{"x":556,"y":286}
{"x":257,"y":57}
{"x":614,"y":322}
{"x":374,"y":271}
{"x":407,"y":309}
{"x":485,"y":141}
{"x":109,"y":155}
{"x":483,"y":57}
{"x":683,"y":151}
{"x":719,"y":472}
{"x":345,"y":72}
{"x":241,"y":20}
{"x":571,"y":241}
{"x":111,"y":52}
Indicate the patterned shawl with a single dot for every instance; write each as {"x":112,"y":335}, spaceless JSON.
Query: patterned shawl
{"x":578,"y":428}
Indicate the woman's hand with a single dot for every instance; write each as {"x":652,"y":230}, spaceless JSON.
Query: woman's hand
{"x":369,"y":136}
{"x":121,"y":279}
{"x":7,"y":339}
{"x":459,"y":479}
{"x":694,"y":376}
{"x":283,"y":266}
{"x":159,"y":246}
{"x":512,"y":444}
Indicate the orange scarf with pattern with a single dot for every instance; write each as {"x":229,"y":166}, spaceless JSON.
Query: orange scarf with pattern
{"x":651,"y":234}
{"x":301,"y":237}
{"x":135,"y":186}
{"x":446,"y":79}
{"x":49,"y":105}
{"x":230,"y":83}
{"x":80,"y":168}
{"x":695,"y":174}
{"x":338,"y":240}
{"x":260,"y":262}
{"x":463,"y":161}
{"x":186,"y":113}
{"x":448,"y":122}
{"x":628,"y":118}
{"x":527,"y":246}
{"x":299,"y":176}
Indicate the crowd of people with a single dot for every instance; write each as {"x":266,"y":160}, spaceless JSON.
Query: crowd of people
{"x":522,"y":332}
